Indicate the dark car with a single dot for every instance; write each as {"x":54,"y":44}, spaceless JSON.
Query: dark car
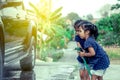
{"x":18,"y":36}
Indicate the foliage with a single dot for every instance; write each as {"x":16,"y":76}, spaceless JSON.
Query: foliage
{"x":115,"y":6}
{"x":50,"y":24}
{"x":104,"y":11}
{"x":62,"y":21}
{"x":73,"y":16}
{"x":89,"y":17}
{"x":115,"y":21}
{"x":57,"y":55}
{"x":109,"y":30}
{"x":52,"y":53}
{"x":105,"y":29}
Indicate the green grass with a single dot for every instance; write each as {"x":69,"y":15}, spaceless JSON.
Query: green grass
{"x":113,"y":53}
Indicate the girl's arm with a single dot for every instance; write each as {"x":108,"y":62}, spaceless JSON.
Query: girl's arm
{"x":91,"y":52}
{"x":78,"y":44}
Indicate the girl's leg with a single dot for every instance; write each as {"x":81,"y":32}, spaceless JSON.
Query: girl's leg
{"x":81,"y":71}
{"x":82,"y":74}
{"x":86,"y":75}
{"x":94,"y":77}
{"x":100,"y":77}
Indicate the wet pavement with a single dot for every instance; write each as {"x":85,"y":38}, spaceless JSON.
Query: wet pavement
{"x":65,"y":69}
{"x":56,"y":71}
{"x":42,"y":71}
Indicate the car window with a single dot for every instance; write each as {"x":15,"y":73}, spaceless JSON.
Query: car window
{"x":13,"y":12}
{"x":9,"y":12}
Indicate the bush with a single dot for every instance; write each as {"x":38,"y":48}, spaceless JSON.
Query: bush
{"x":52,"y":53}
{"x":105,"y":31}
{"x":115,"y":20}
{"x":109,"y":39}
{"x":57,"y":55}
{"x":109,"y":30}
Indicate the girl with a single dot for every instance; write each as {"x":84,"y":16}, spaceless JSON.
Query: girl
{"x":80,"y":43}
{"x":97,"y":57}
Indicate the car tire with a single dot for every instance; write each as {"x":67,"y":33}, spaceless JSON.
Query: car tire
{"x":28,"y":63}
{"x":27,"y":75}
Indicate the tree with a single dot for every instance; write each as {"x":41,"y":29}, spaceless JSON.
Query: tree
{"x":89,"y":17}
{"x":73,"y":16}
{"x":104,"y":11}
{"x":115,"y":6}
{"x":109,"y":30}
{"x":115,"y":21}
{"x":49,"y":26}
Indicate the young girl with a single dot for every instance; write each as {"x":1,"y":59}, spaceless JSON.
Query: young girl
{"x":97,"y":57}
{"x":80,"y":43}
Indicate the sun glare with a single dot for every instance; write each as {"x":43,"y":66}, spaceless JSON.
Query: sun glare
{"x":26,"y":2}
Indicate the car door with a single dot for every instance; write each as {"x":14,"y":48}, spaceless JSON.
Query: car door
{"x":15,"y":27}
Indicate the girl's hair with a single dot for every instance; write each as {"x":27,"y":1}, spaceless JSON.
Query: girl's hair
{"x":76,"y":23}
{"x":79,"y":22}
{"x":91,"y":27}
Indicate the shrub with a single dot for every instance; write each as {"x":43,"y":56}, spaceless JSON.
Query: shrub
{"x":109,"y":30}
{"x":105,"y":31}
{"x":52,"y":53}
{"x":115,"y":20}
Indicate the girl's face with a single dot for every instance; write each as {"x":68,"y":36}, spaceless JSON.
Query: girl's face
{"x":82,"y":33}
{"x":77,"y":30}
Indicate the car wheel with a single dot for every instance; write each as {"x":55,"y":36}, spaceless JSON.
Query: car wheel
{"x":28,"y":63}
{"x":27,"y":75}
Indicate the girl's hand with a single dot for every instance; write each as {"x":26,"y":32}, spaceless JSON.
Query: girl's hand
{"x":81,"y":54}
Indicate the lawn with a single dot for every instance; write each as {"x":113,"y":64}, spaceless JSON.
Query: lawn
{"x":114,"y":54}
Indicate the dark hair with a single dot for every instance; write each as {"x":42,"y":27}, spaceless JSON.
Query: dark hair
{"x":76,"y":23}
{"x":79,"y":22}
{"x":91,"y":27}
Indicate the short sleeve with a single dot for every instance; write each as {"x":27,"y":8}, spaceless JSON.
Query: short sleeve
{"x":87,"y":44}
{"x":90,"y":42}
{"x":76,"y":38}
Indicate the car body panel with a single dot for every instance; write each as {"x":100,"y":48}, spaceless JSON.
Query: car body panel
{"x":17,"y":29}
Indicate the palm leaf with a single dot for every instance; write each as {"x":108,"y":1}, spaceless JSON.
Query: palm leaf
{"x":37,"y":11}
{"x":55,"y":17}
{"x":56,"y":12}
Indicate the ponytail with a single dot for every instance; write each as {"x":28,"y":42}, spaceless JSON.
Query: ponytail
{"x":92,"y":28}
{"x":95,"y":32}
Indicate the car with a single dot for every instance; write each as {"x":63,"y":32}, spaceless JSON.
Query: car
{"x":18,"y":36}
